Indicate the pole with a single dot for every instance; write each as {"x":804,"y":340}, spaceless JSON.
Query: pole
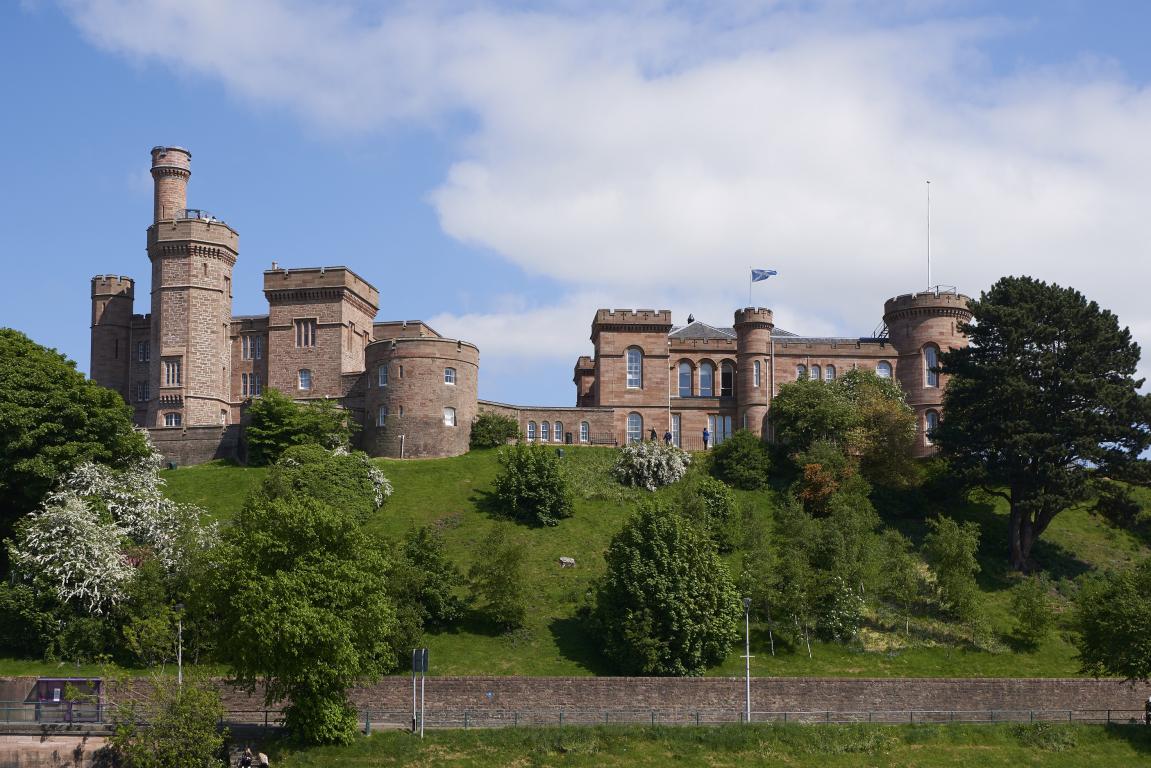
{"x":415,"y":666}
{"x":747,"y":654}
{"x":423,"y":680}
{"x":180,"y":650}
{"x":929,"y":234}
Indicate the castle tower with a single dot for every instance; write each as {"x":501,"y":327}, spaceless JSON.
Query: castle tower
{"x":112,"y":298}
{"x":631,"y":368}
{"x":192,"y":255}
{"x":920,"y":327}
{"x":753,"y":326}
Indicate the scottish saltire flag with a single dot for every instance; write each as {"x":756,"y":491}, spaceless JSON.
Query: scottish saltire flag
{"x":761,"y":274}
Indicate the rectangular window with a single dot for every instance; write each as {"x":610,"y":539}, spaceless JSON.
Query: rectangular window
{"x":383,"y":375}
{"x":141,"y":391}
{"x":449,"y":417}
{"x":257,"y":387}
{"x":449,"y":375}
{"x":172,"y":373}
{"x":305,"y":333}
{"x":304,"y":379}
{"x":143,"y":351}
{"x":675,"y":433}
{"x":252,"y":347}
{"x":755,"y":368}
{"x":382,"y":416}
{"x":584,"y":430}
{"x":243,"y":385}
{"x":172,"y":420}
{"x":634,"y":368}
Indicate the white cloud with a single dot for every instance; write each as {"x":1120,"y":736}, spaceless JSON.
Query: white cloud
{"x":652,"y":156}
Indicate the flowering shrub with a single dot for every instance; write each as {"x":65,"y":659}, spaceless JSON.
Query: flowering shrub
{"x":650,"y":464}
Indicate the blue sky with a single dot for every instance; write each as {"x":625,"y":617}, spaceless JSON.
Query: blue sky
{"x":501,"y":171}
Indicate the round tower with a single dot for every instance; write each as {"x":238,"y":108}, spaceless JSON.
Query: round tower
{"x":920,"y":327}
{"x":171,"y":168}
{"x":112,"y":298}
{"x":422,"y":397}
{"x":753,"y":326}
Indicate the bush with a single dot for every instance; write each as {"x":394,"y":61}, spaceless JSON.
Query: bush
{"x":742,"y":461}
{"x":711,"y":503}
{"x":173,"y":725}
{"x":650,"y":464}
{"x":497,"y":580}
{"x":950,"y":551}
{"x":344,"y":479}
{"x":532,"y":486}
{"x":1033,"y":616}
{"x":840,"y":611}
{"x":276,"y":423}
{"x":491,"y":430}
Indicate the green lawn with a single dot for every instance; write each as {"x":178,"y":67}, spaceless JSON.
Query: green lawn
{"x":980,"y":746}
{"x":449,"y":494}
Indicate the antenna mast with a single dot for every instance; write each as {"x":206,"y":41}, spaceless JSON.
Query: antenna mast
{"x":929,"y":234}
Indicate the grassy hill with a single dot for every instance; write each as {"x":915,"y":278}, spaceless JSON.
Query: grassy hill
{"x":450,"y":493}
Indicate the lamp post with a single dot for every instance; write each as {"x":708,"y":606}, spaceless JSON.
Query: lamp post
{"x":179,"y":644}
{"x":747,"y":654}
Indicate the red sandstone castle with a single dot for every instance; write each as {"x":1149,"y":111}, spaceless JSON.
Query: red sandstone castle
{"x":190,"y":367}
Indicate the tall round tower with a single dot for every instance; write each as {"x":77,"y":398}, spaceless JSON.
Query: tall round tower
{"x":920,"y":327}
{"x":171,"y":168}
{"x":112,"y":298}
{"x":753,"y":326}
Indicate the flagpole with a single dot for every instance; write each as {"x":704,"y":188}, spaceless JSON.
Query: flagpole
{"x":750,"y":281}
{"x":929,"y":234}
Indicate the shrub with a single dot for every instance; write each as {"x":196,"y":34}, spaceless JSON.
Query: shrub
{"x":276,"y":423}
{"x":173,"y":725}
{"x":950,"y":551}
{"x":344,"y":479}
{"x":532,"y":486}
{"x":497,"y":580}
{"x":711,"y":503}
{"x":1033,"y":616}
{"x":840,"y":611}
{"x":650,"y":464}
{"x":742,"y":461}
{"x":491,"y":430}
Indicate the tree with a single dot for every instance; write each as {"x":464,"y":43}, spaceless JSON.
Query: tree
{"x":901,"y":580}
{"x":491,"y":430}
{"x":173,"y":725}
{"x":1032,"y":611}
{"x":711,"y":504}
{"x":1043,"y":401}
{"x":300,"y":592}
{"x":433,"y":581}
{"x":808,"y":410}
{"x":532,"y":486}
{"x":950,"y":551}
{"x":496,"y":579}
{"x":52,"y":419}
{"x":1113,"y":616}
{"x":742,"y":461}
{"x":276,"y":423}
{"x":345,"y":479}
{"x":666,"y":605}
{"x":650,"y":464}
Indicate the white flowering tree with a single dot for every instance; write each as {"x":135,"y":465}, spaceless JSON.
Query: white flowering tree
{"x":651,"y":464}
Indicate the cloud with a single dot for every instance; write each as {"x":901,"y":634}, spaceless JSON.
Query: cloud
{"x":659,"y":152}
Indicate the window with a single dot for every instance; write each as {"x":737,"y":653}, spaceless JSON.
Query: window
{"x":816,"y":373}
{"x":931,"y":365}
{"x":558,"y":432}
{"x":726,"y":379}
{"x":584,"y":431}
{"x":634,"y":368}
{"x":883,"y":369}
{"x":930,"y":423}
{"x":675,"y":427}
{"x":382,"y":416}
{"x":755,"y":369}
{"x":531,"y":430}
{"x":305,"y":333}
{"x":720,"y":428}
{"x":250,"y":384}
{"x":706,"y":380}
{"x":449,"y":417}
{"x":382,"y":373}
{"x":251,"y":347}
{"x":173,"y":420}
{"x":634,"y":428}
{"x":141,"y":391}
{"x":545,"y":431}
{"x":685,"y":379}
{"x":401,"y":371}
{"x":304,"y":379}
{"x":143,"y":351}
{"x":829,"y":373}
{"x":223,"y":418}
{"x":450,"y":376}
{"x":172,"y":377}
{"x":800,"y":372}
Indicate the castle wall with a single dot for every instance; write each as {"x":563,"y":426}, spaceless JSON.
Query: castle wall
{"x":601,"y":422}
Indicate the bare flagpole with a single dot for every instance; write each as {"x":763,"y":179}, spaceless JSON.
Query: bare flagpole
{"x":929,"y":234}
{"x":750,"y":281}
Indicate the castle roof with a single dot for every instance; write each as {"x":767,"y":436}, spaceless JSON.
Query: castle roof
{"x":700,"y":330}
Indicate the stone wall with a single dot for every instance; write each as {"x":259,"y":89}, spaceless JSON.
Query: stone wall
{"x":195,"y":445}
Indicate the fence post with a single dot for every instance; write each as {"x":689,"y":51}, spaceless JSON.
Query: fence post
{"x":465,"y":719}
{"x":827,"y":716}
{"x":697,"y":717}
{"x":785,"y":717}
{"x":1031,"y":712}
{"x":869,"y":714}
{"x":741,"y":716}
{"x":653,"y":717}
{"x":367,"y":721}
{"x":993,"y":715}
{"x":561,"y":717}
{"x":1069,"y":715}
{"x":911,"y":715}
{"x":1108,"y":717}
{"x":516,"y":718}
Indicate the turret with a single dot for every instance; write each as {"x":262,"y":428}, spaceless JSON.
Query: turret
{"x":112,"y":298}
{"x":171,"y":167}
{"x":753,"y":326}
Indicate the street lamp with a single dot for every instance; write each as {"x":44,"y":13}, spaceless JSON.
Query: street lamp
{"x":179,"y":644}
{"x":747,"y":653}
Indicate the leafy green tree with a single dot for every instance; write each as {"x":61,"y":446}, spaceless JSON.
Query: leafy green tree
{"x":52,"y":419}
{"x":808,"y":410}
{"x":434,"y":582}
{"x":711,"y":503}
{"x":497,"y":580}
{"x":900,"y":568}
{"x":883,"y":433}
{"x":173,"y":725}
{"x":666,"y":605}
{"x":491,"y":430}
{"x":344,"y":479}
{"x":532,"y":486}
{"x":949,"y":549}
{"x":742,"y":461}
{"x":826,"y":472}
{"x":300,"y":593}
{"x":1043,"y":400}
{"x":1113,"y":616}
{"x":276,"y":423}
{"x":1034,"y":618}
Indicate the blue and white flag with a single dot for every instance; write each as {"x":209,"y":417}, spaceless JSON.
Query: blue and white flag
{"x":762,"y":274}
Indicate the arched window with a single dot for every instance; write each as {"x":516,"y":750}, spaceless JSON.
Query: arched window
{"x":706,"y":380}
{"x":634,"y":428}
{"x":726,"y":379}
{"x":383,"y":375}
{"x":930,"y":423}
{"x":304,"y":379}
{"x":931,"y":366}
{"x":883,"y":369}
{"x":584,"y":431}
{"x":450,"y":376}
{"x":558,"y":432}
{"x":800,"y":372}
{"x":173,"y":420}
{"x":531,"y":430}
{"x":382,"y":416}
{"x":685,"y":379}
{"x":545,"y":431}
{"x":829,"y":373}
{"x":634,"y":367}
{"x":755,"y":370}
{"x":449,"y":417}
{"x":816,"y":373}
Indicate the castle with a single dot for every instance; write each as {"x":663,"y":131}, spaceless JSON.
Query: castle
{"x":190,"y":367}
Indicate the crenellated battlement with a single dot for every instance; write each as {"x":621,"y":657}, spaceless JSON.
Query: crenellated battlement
{"x":948,"y":301}
{"x":110,"y":285}
{"x":754,"y":315}
{"x":633,"y":317}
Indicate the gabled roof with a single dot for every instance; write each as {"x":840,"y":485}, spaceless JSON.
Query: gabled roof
{"x":698,"y":330}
